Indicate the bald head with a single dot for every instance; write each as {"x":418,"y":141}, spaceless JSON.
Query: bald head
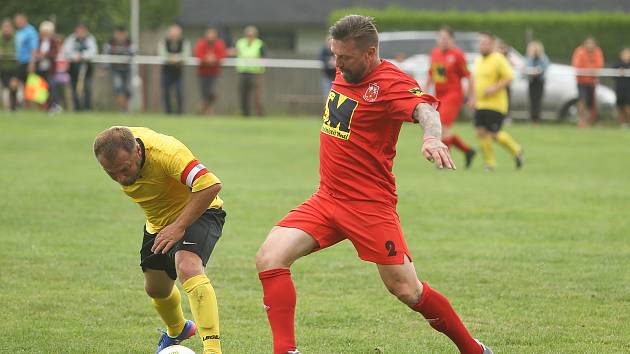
{"x":109,"y":141}
{"x":119,"y":154}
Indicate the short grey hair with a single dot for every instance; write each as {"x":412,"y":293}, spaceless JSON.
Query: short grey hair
{"x":359,"y":28}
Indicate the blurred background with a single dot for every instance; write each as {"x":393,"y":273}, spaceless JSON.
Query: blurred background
{"x":294,"y":33}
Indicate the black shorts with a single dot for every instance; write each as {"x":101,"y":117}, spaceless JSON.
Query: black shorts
{"x":586,"y":93}
{"x":623,"y":98}
{"x":199,"y":238}
{"x":489,"y":120}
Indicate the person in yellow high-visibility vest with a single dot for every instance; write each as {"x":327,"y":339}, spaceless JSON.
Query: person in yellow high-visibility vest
{"x":250,"y":74}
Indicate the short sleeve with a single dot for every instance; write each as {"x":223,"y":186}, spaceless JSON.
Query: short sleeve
{"x":402,"y":98}
{"x":181,"y":165}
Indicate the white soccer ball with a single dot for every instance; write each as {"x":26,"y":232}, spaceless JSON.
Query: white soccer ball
{"x":176,"y":349}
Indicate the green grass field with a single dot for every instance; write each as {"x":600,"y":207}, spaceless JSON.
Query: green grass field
{"x":536,"y":261}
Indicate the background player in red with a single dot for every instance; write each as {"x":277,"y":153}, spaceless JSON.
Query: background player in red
{"x":356,"y":199}
{"x":448,"y":68}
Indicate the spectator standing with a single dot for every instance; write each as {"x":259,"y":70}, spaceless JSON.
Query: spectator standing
{"x":79,"y":49}
{"x":174,"y":49}
{"x":26,"y":42}
{"x":622,"y":87}
{"x":120,"y":44}
{"x":44,"y":63}
{"x":250,"y":75}
{"x":210,"y":50}
{"x":588,"y":56}
{"x":329,"y":67}
{"x":8,"y":66}
{"x":536,"y":65}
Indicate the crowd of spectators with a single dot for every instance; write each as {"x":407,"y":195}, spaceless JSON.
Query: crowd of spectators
{"x":55,"y":64}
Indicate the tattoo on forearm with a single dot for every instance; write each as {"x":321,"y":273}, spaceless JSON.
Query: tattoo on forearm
{"x":429,"y":119}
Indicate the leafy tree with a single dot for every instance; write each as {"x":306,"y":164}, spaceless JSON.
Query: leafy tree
{"x":101,"y":16}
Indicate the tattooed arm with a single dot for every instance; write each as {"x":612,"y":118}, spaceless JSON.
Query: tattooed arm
{"x":432,"y":148}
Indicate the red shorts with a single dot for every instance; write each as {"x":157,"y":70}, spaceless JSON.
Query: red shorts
{"x":450,"y":105}
{"x":372,"y":227}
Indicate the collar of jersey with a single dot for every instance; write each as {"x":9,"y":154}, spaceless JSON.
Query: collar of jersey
{"x":141,"y":150}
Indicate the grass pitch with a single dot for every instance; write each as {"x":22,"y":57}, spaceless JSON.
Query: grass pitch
{"x":535,"y":261}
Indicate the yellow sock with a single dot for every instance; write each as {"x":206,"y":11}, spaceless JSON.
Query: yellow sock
{"x":485,"y":144}
{"x":506,"y":140}
{"x":170,"y":309}
{"x":203,"y":305}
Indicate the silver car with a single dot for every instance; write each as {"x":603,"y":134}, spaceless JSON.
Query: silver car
{"x":560,"y":95}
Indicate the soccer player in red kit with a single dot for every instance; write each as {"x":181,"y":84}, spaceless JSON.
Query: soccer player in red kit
{"x":356,"y":199}
{"x":448,"y":68}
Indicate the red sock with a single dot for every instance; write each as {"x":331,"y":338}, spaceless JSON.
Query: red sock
{"x":459,"y":143}
{"x":279,"y":300}
{"x":448,"y":141}
{"x":443,"y":318}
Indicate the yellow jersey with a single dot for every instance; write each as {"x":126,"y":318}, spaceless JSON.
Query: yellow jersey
{"x":168,"y":176}
{"x":488,"y":71}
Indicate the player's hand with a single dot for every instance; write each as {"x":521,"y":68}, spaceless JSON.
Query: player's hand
{"x":435,"y":151}
{"x":167,"y":238}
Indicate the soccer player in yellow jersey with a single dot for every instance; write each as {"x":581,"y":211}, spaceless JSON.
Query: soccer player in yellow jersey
{"x":184,"y":222}
{"x":492,"y":75}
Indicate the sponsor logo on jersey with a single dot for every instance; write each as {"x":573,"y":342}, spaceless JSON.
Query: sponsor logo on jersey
{"x":338,"y":113}
{"x":416,"y":91}
{"x":438,"y":73}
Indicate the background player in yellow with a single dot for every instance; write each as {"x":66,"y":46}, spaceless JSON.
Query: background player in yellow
{"x":492,"y":75}
{"x":184,"y":222}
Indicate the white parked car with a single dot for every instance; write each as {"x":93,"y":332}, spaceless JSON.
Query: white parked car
{"x":560,"y":95}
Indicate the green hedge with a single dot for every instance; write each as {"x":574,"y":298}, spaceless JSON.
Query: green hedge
{"x":560,"y":32}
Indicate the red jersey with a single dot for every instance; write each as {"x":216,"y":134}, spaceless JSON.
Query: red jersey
{"x":361,"y":126}
{"x":202,"y":48}
{"x":448,"y":67}
{"x":583,"y":59}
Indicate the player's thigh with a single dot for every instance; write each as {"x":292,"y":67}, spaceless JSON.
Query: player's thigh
{"x":374,"y":230}
{"x":282,"y":247}
{"x":305,"y":229}
{"x":202,"y":236}
{"x":157,"y":283}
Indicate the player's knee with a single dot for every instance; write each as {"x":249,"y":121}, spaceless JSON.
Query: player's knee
{"x":408,"y":294}
{"x":266,"y":260}
{"x":156,"y":292}
{"x":187,"y":265}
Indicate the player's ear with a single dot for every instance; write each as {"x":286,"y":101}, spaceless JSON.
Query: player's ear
{"x":371,"y":52}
